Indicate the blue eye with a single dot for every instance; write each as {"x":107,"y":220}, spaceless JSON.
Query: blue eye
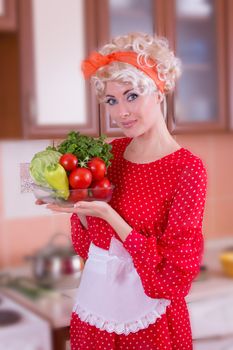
{"x":132,"y":97}
{"x":111,"y":101}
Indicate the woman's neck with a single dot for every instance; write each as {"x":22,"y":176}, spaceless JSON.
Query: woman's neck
{"x":157,"y":142}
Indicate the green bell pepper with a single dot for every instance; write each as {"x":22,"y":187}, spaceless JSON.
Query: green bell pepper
{"x":56,"y":177}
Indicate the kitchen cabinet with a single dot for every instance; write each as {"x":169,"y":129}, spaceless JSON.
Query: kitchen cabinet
{"x":210,"y":304}
{"x":31,"y":327}
{"x":55,"y":37}
{"x":21,"y":328}
{"x":61,"y":338}
{"x":9,"y":87}
{"x":230,"y":59}
{"x":197,"y":34}
{"x":8,"y":19}
{"x":54,"y":97}
{"x":116,"y":17}
{"x":9,"y":71}
{"x":212,"y":322}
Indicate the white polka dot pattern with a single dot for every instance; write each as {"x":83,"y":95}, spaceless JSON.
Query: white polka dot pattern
{"x":164,"y":202}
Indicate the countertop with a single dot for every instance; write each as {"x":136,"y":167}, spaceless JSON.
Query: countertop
{"x":56,"y":305}
{"x":215,"y":284}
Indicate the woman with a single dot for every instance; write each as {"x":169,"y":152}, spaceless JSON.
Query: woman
{"x":144,"y":248}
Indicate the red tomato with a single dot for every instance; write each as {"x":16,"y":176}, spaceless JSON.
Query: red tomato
{"x":80,"y":178}
{"x":102,"y":188}
{"x":78,"y":195}
{"x":69,"y":161}
{"x":97,"y":167}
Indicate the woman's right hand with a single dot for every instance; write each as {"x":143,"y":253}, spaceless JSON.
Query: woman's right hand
{"x":82,"y":217}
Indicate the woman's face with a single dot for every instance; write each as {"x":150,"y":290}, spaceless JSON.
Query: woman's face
{"x":135,"y":114}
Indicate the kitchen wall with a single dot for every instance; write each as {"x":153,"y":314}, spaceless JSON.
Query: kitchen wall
{"x":24,"y":227}
{"x":23,"y":232}
{"x":216,"y":152}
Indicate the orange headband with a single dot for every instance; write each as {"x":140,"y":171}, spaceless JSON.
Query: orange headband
{"x":97,"y":60}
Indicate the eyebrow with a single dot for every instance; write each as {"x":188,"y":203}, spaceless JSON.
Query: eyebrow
{"x":124,"y":93}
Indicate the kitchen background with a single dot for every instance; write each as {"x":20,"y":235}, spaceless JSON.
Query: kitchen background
{"x":43,"y":96}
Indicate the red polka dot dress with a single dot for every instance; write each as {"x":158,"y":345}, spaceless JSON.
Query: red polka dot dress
{"x":163,"y":201}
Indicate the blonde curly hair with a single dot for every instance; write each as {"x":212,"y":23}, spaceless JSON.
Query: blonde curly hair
{"x":147,"y":47}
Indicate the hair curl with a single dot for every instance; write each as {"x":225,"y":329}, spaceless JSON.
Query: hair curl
{"x":147,"y":46}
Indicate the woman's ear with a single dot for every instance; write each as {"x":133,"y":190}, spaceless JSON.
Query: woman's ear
{"x":159,"y":97}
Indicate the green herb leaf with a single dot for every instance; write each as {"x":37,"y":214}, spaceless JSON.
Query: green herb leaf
{"x":83,"y":146}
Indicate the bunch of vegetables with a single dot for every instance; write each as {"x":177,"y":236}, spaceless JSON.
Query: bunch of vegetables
{"x":76,"y":169}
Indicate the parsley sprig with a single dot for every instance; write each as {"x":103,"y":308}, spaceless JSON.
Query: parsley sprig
{"x":86,"y":147}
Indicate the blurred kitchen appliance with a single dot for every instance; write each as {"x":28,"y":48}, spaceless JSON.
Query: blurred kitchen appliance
{"x":226,"y":259}
{"x":203,"y":274}
{"x":56,"y":264}
{"x":22,"y":329}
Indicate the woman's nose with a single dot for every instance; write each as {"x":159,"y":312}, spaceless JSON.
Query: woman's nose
{"x":125,"y":114}
{"x":123,"y":111}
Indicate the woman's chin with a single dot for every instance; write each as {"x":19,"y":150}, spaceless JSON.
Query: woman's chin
{"x":131,"y":133}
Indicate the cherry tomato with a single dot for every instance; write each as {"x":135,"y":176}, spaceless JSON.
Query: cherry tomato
{"x":102,"y":188}
{"x":69,"y":161}
{"x":78,"y":195}
{"x":80,"y":178}
{"x":97,"y":167}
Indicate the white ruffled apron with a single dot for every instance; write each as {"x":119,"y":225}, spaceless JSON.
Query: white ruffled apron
{"x":110,"y":295}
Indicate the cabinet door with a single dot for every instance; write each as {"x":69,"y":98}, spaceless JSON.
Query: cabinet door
{"x":197,"y":30}
{"x":55,"y":37}
{"x":229,"y":11}
{"x":118,"y":17}
{"x":8,"y":20}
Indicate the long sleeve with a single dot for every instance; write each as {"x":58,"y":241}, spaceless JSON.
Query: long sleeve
{"x":168,"y":265}
{"x":80,"y":237}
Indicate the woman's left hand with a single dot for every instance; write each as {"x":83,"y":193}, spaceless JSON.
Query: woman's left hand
{"x":98,"y":209}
